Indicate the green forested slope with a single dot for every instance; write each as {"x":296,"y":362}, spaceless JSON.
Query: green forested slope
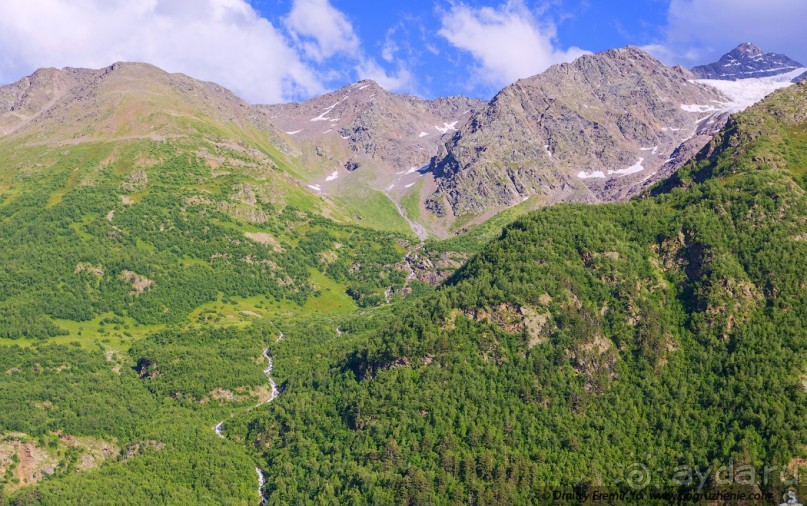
{"x":148,"y":235}
{"x":665,"y":331}
{"x":190,"y":237}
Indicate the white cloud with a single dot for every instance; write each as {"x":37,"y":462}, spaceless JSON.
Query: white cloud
{"x":507,"y":42}
{"x":224,"y":41}
{"x":390,"y":47}
{"x":402,"y":80}
{"x":322,"y":30}
{"x":700,"y":31}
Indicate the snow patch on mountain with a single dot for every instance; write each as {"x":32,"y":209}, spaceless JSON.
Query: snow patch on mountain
{"x":590,"y":175}
{"x":744,"y":93}
{"x":417,"y":169}
{"x":446,"y":127}
{"x":327,"y":110}
{"x":637,"y":167}
{"x":698,"y":108}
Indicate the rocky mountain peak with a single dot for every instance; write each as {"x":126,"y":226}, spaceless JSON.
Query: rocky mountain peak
{"x":623,"y":52}
{"x":747,"y":61}
{"x":366,"y":129}
{"x":367,"y":83}
{"x":745,"y":50}
{"x":123,"y":100}
{"x":25,"y":100}
{"x":595,"y":129}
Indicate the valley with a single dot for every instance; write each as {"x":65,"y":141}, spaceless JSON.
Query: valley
{"x":374,"y":298}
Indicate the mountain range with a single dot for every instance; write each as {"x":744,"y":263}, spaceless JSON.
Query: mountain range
{"x":599,"y":129}
{"x":602,"y":128}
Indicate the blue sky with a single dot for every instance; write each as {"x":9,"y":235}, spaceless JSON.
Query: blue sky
{"x":441,"y":68}
{"x":279,"y":50}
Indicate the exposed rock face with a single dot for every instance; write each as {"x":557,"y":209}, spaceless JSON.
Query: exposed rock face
{"x":746,"y":61}
{"x":28,"y":97}
{"x":435,"y":267}
{"x":598,"y":129}
{"x":28,"y":461}
{"x":363,"y":122}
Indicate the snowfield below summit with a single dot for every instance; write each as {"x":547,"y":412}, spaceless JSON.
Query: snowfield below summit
{"x":744,"y":93}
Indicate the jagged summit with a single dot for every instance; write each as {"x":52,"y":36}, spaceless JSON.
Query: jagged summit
{"x":747,"y":61}
{"x":595,"y":129}
{"x":747,"y":50}
{"x":362,"y":134}
{"x":362,"y":123}
{"x":366,"y":82}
